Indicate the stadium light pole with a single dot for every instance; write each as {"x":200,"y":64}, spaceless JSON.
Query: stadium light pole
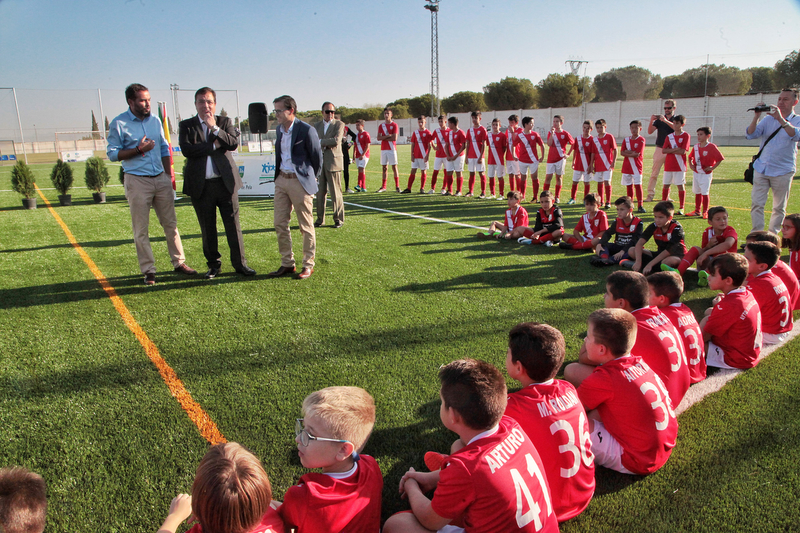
{"x":433,"y":7}
{"x":174,"y":88}
{"x":19,"y":121}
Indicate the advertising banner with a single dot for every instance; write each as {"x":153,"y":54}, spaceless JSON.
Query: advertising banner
{"x":257,"y":173}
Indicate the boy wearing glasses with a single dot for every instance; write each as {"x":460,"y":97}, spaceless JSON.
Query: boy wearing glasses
{"x":346,"y":495}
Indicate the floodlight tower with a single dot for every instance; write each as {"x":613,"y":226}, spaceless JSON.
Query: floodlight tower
{"x":173,"y":87}
{"x":575,"y":67}
{"x":433,"y":7}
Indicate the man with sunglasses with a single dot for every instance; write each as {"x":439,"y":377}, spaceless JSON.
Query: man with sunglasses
{"x":662,"y":124}
{"x":330,"y":132}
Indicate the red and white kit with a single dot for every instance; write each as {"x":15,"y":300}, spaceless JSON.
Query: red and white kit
{"x":583,"y":148}
{"x":604,"y":150}
{"x":455,"y":141}
{"x":497,"y":483}
{"x":420,"y":145}
{"x":528,"y":152}
{"x":362,"y":148}
{"x":789,"y":279}
{"x":675,"y":164}
{"x":388,"y":148}
{"x":684,"y":321}
{"x":476,"y":140}
{"x":729,"y":231}
{"x":593,"y":227}
{"x":735,"y":327}
{"x":553,"y":412}
{"x":497,"y":153}
{"x":709,"y":156}
{"x":775,"y":302}
{"x":632,"y":166}
{"x":512,"y":150}
{"x":635,"y":409}
{"x":518,"y":218}
{"x":557,"y":153}
{"x":270,"y":523}
{"x":440,"y":136}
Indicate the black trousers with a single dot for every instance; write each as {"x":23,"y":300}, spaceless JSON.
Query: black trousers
{"x":217,"y":196}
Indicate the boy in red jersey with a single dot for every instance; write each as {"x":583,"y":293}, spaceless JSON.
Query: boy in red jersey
{"x":494,"y":479}
{"x":455,"y":144}
{"x":560,"y":146}
{"x":346,"y":496}
{"x":387,"y":135}
{"x":549,"y":225}
{"x":529,"y":156}
{"x":703,"y":159}
{"x":497,"y":151}
{"x":781,"y":269}
{"x":604,"y":160}
{"x":23,"y":501}
{"x":657,"y":340}
{"x":590,"y":227}
{"x":476,"y":140}
{"x":665,"y":293}
{"x":633,"y":425}
{"x":669,"y":238}
{"x":769,"y":291}
{"x":626,"y":230}
{"x":440,"y":161}
{"x":549,"y":409}
{"x":512,"y":152}
{"x":675,"y":147}
{"x":516,"y":220}
{"x":732,"y":326}
{"x":633,"y":160}
{"x":420,"y":152}
{"x":582,"y":161}
{"x":362,"y":155}
{"x":718,"y":238}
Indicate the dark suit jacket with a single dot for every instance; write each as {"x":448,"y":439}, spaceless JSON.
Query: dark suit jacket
{"x":196,"y":148}
{"x":306,"y":154}
{"x":331,"y":159}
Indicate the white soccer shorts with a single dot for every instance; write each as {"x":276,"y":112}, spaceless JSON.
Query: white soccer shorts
{"x":524,"y":167}
{"x":606,"y":449}
{"x":495,"y":171}
{"x":674,"y":178}
{"x":388,"y":157}
{"x":631,"y":179}
{"x":457,"y":165}
{"x":556,"y":168}
{"x":512,"y":166}
{"x":420,"y":163}
{"x":362,"y":163}
{"x":474,"y":166}
{"x":439,"y":163}
{"x":701,"y":183}
{"x":602,"y":176}
{"x":582,"y":175}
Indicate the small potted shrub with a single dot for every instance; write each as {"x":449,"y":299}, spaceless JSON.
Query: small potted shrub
{"x":96,"y":178}
{"x":62,"y":179}
{"x":23,"y":182}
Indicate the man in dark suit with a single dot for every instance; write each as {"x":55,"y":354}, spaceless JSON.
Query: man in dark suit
{"x":330,"y":132}
{"x":298,"y":158}
{"x":211,"y":179}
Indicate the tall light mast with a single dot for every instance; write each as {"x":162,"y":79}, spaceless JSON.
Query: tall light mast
{"x":433,"y":7}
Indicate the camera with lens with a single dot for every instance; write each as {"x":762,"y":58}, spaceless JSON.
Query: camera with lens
{"x":762,"y":109}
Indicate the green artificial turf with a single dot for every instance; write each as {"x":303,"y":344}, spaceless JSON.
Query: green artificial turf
{"x":392,"y":298}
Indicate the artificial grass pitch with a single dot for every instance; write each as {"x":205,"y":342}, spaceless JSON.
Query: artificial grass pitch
{"x":391,"y":299}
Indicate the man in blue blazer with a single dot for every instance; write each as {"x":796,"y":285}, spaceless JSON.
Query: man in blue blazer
{"x":298,"y":158}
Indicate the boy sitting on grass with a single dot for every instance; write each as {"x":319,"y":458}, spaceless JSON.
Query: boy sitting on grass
{"x":731,"y":327}
{"x":549,"y":225}
{"x":516,"y":220}
{"x":590,"y":227}
{"x":668,"y":236}
{"x":769,"y":291}
{"x":627,"y":230}
{"x":665,"y":294}
{"x":718,"y":238}
{"x":493,"y":480}
{"x":346,"y":496}
{"x":782,"y":270}
{"x":633,"y":426}
{"x":23,"y":501}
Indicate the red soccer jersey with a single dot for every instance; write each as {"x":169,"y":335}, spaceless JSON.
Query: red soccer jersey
{"x":497,"y":148}
{"x":633,"y":165}
{"x":684,"y":321}
{"x":709,"y":236}
{"x":476,"y":139}
{"x":388,"y":129}
{"x":735,"y":326}
{"x":789,"y":279}
{"x":593,"y":227}
{"x":441,"y":135}
{"x":603,"y":151}
{"x":582,"y":149}
{"x":794,"y":262}
{"x":270,"y":523}
{"x":553,"y":413}
{"x":635,"y":408}
{"x":659,"y":344}
{"x":527,"y":143}
{"x":709,"y":156}
{"x":671,"y":238}
{"x":455,"y":141}
{"x":362,"y":144}
{"x":320,"y":503}
{"x":497,"y":483}
{"x":516,"y":219}
{"x":420,"y":143}
{"x":558,"y":151}
{"x":774,"y":301}
{"x":512,"y":149}
{"x":676,"y":162}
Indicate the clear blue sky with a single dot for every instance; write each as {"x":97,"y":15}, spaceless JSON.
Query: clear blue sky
{"x":352,"y":53}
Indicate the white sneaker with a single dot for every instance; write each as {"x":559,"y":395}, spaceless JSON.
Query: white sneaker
{"x":468,"y":195}
{"x":431,"y":191}
{"x":548,"y":243}
{"x":382,"y":189}
{"x":523,"y":240}
{"x":458,"y":194}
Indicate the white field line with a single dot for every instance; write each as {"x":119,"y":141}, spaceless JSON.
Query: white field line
{"x":415,"y":216}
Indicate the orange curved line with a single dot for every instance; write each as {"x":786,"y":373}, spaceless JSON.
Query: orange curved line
{"x":208,"y":429}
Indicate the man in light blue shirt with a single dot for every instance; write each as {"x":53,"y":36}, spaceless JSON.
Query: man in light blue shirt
{"x":135,"y":137}
{"x":776,"y":166}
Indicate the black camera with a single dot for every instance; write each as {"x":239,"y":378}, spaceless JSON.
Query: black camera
{"x":762,"y":109}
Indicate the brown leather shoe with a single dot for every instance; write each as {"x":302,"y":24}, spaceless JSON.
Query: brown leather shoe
{"x":305,"y":273}
{"x":183,"y":268}
{"x":282,"y":271}
{"x":150,"y":278}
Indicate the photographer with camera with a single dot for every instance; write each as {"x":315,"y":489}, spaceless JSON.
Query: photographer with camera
{"x":776,"y":165}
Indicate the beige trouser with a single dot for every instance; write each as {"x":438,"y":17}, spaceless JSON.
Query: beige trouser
{"x":290,"y":194}
{"x":142,"y":194}
{"x":781,"y":185}
{"x":658,"y":161}
{"x":330,"y":182}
